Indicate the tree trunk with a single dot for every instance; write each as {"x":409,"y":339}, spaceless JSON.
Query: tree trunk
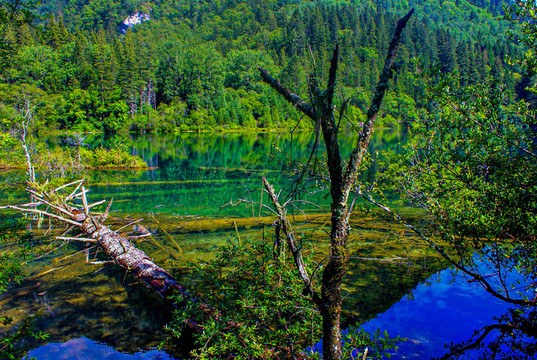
{"x":125,"y":254}
{"x":331,"y":287}
{"x":120,"y":249}
{"x":342,"y":180}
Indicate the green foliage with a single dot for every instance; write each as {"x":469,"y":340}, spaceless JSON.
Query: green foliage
{"x":11,"y":345}
{"x":472,"y":165}
{"x":10,"y":230}
{"x":13,"y":14}
{"x":64,"y":161}
{"x":264,"y":314}
{"x":110,"y":158}
{"x":199,"y":59}
{"x":377,"y":345}
{"x":19,"y":245}
{"x":525,"y":12}
{"x":8,"y":157}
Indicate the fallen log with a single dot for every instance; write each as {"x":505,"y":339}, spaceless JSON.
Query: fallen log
{"x":60,"y":206}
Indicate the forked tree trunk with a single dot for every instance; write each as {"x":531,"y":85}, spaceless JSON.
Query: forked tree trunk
{"x":342,"y":180}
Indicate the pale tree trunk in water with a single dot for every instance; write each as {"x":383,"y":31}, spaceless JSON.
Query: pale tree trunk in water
{"x":26,"y":112}
{"x":121,"y":250}
{"x":342,"y":180}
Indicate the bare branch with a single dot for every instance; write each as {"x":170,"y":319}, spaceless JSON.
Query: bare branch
{"x":24,"y":205}
{"x":139,"y":236}
{"x":96,"y":204}
{"x":70,"y":184}
{"x":293,"y":98}
{"x":297,"y":255}
{"x":69,"y":238}
{"x":332,"y":76}
{"x":378,"y":259}
{"x":86,"y":208}
{"x":85,"y":203}
{"x":360,"y":149}
{"x":104,"y":216}
{"x":107,"y":262}
{"x":72,"y":194}
{"x":42,"y":200}
{"x":129,"y":224}
{"x":36,"y":211}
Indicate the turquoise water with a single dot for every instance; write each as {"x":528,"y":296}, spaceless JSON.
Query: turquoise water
{"x":95,"y":314}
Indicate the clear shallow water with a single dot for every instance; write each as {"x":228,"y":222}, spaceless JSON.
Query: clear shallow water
{"x":194,"y":176}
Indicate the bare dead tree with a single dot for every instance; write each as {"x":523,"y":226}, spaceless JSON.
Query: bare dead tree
{"x":25,"y":108}
{"x":60,"y":205}
{"x":342,"y":180}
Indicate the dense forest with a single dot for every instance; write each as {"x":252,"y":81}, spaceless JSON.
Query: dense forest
{"x":192,"y":65}
{"x":464,"y":186}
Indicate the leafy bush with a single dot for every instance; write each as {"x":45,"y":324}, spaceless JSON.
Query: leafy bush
{"x":12,"y":341}
{"x":264,"y":314}
{"x":113,"y":158}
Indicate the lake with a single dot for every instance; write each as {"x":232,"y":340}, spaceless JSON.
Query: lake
{"x":192,"y":188}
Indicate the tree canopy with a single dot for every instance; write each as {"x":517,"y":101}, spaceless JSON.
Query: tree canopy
{"x":192,"y":65}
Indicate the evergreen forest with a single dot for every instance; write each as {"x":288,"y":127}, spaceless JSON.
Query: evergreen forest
{"x":448,"y":85}
{"x":192,"y":65}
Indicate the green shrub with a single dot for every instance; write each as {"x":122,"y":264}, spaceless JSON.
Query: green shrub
{"x":264,"y":313}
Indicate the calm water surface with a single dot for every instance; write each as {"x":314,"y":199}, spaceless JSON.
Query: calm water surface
{"x":92,"y":312}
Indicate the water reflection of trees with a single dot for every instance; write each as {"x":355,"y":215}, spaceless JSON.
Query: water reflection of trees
{"x":512,"y":337}
{"x":226,"y":166}
{"x":229,"y":149}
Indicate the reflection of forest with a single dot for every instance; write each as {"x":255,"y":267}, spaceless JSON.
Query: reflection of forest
{"x":195,"y":174}
{"x":198,"y":173}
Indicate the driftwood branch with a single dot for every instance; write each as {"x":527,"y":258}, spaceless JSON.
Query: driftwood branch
{"x":107,"y":262}
{"x":119,"y":248}
{"x":70,"y":238}
{"x":285,"y":227}
{"x":23,"y":209}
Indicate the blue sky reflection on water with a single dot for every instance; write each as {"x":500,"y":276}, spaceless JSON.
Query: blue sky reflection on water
{"x":86,"y":349}
{"x":446,"y":309}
